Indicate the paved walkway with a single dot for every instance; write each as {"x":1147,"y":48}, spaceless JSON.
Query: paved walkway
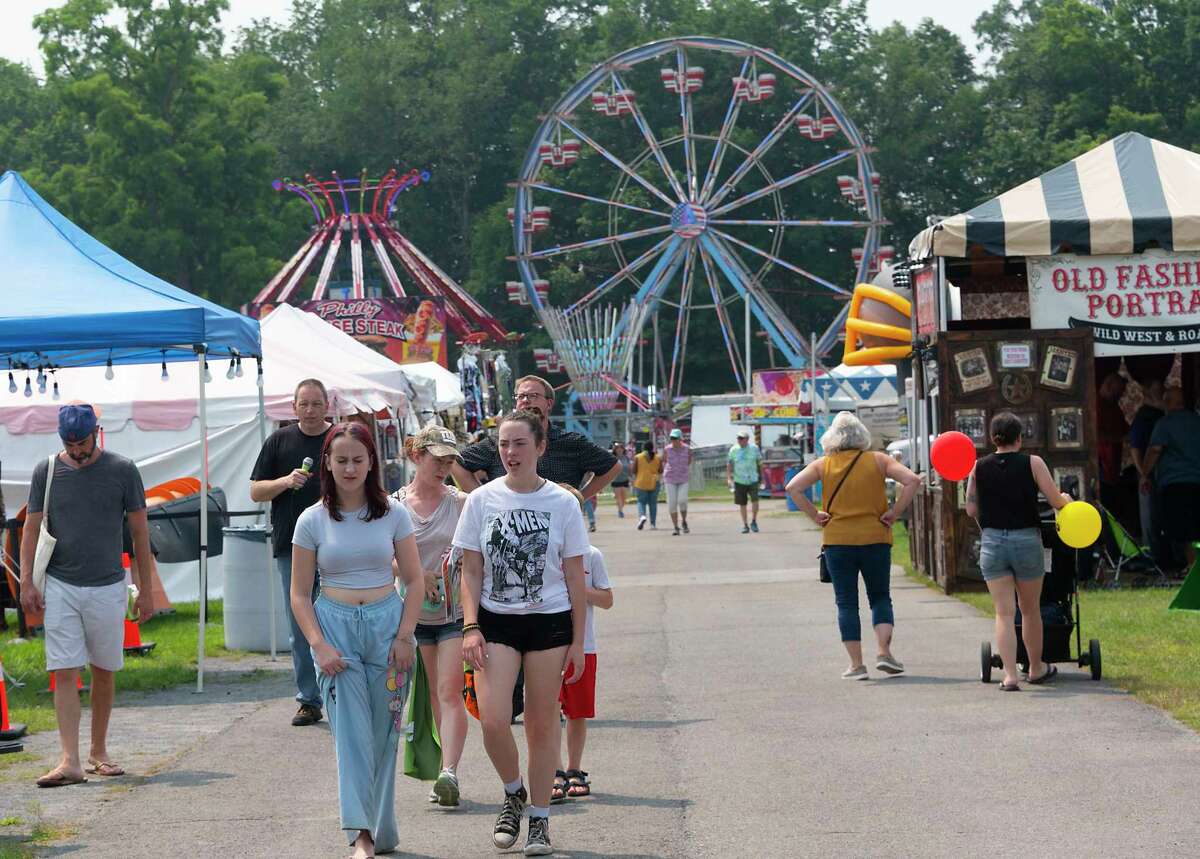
{"x":724,"y":730}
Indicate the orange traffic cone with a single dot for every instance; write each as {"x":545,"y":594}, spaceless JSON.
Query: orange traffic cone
{"x":133,"y":640}
{"x":10,"y":733}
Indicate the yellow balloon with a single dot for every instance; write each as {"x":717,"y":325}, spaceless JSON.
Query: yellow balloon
{"x":1078,"y":524}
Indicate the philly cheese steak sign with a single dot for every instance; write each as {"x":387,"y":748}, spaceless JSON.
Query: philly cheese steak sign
{"x":1133,"y":304}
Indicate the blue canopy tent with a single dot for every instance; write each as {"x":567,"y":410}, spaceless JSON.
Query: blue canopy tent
{"x":70,"y":301}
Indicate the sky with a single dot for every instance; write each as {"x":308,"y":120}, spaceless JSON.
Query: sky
{"x":19,"y":41}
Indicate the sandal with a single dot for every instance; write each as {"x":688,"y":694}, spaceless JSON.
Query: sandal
{"x":578,"y":784}
{"x":558,"y":793}
{"x":1010,"y":687}
{"x":105,"y":768}
{"x":59,"y":779}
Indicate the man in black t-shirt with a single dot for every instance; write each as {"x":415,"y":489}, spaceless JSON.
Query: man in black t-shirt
{"x":280,"y":477}
{"x":569,"y":457}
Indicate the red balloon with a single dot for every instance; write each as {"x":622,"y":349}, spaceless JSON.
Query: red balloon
{"x":953,"y":455}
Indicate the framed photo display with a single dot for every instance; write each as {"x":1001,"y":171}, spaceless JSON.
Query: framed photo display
{"x":973,"y":424}
{"x":1031,"y":428}
{"x":1058,"y":368}
{"x":1066,"y":428}
{"x":974,"y":373}
{"x":1069,"y":479}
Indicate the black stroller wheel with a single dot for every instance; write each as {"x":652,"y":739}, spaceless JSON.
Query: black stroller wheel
{"x":1094,"y":658}
{"x":985,"y":662}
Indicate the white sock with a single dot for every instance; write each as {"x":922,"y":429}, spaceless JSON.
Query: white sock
{"x":513,"y":786}
{"x":537,"y":811}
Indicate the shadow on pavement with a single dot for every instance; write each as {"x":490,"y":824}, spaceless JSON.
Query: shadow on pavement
{"x":187,"y":778}
{"x":644,"y":724}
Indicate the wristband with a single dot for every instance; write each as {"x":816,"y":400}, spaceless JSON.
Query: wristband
{"x":410,"y":639}
{"x":472,"y":627}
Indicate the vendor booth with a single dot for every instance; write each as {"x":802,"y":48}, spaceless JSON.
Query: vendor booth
{"x":1030,"y":302}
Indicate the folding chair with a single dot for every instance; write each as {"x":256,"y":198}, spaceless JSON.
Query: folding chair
{"x":1129,"y":553}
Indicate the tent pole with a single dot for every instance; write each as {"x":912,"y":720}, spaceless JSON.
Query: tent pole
{"x":271,"y":586}
{"x":200,"y":362}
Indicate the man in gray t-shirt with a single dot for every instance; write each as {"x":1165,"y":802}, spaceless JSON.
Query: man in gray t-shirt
{"x":91,"y":494}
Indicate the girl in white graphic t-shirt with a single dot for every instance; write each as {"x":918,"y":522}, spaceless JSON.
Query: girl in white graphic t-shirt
{"x":524,"y":606}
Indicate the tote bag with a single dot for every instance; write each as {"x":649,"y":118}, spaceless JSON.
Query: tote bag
{"x":46,"y":541}
{"x":422,"y":750}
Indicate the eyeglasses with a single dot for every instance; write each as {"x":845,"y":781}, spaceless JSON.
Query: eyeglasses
{"x":530,"y":395}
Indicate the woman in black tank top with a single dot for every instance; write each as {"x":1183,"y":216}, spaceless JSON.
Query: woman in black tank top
{"x":1002,"y":495}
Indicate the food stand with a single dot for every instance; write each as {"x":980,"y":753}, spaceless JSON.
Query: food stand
{"x":1027,"y":301}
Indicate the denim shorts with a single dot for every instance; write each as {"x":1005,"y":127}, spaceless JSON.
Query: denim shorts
{"x":436,"y":633}
{"x":1017,"y":552}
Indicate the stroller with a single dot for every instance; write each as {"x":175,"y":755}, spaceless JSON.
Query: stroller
{"x":1060,"y":613}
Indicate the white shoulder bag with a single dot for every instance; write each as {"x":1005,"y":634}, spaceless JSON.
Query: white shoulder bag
{"x":46,"y":541}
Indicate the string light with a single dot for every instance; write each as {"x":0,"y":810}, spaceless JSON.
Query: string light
{"x":41,"y":381}
{"x":55,"y":394}
{"x":12,"y":383}
{"x":207,"y":374}
{"x":108,"y":370}
{"x":28,"y":387}
{"x":238,"y":372}
{"x":164,"y":376}
{"x":229,"y":373}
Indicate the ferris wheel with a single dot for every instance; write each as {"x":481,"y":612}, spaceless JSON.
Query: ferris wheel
{"x":686,"y":175}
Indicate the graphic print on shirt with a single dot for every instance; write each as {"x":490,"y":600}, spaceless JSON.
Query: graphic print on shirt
{"x":517,"y":543}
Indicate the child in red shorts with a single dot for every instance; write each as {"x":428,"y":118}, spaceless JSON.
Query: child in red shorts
{"x":578,"y":700}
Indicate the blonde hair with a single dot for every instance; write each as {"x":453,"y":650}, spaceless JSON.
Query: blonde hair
{"x":846,"y":432}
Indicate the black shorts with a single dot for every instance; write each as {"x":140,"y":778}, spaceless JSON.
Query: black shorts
{"x":527,"y":632}
{"x":743,"y":493}
{"x":1179,"y":502}
{"x":620,"y":484}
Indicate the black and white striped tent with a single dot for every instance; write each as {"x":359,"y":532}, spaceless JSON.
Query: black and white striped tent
{"x":1119,"y":198}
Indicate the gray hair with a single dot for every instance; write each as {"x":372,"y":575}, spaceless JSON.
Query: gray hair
{"x":846,"y":432}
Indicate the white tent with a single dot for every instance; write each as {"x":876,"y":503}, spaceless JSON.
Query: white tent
{"x":154,"y":421}
{"x":447,"y":391}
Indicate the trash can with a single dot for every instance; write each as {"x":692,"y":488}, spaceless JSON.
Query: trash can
{"x":249,"y":573}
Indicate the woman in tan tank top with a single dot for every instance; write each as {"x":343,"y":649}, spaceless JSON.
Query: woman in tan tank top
{"x":857,"y":535}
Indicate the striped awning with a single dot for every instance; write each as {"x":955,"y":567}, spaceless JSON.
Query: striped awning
{"x":1114,"y":199}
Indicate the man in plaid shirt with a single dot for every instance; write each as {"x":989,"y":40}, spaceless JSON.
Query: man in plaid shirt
{"x":570,"y":457}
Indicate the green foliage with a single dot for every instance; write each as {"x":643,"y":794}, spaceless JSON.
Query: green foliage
{"x":160,"y":133}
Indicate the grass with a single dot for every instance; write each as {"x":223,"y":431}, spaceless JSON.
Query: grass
{"x":171,"y":663}
{"x":1148,"y":650}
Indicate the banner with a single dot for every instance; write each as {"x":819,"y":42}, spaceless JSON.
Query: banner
{"x":407,"y":330}
{"x":777,"y":386}
{"x":1133,"y":304}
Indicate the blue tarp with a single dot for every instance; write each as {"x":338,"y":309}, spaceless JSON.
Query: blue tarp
{"x":67,"y":300}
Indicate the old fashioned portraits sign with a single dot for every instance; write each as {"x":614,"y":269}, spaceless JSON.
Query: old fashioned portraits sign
{"x":1134,"y":304}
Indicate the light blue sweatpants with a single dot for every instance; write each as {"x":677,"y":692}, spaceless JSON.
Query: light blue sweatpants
{"x":365,"y":706}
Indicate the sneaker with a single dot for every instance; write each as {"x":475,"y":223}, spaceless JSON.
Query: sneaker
{"x":592,"y":527}
{"x":889,"y":665}
{"x":538,"y":841}
{"x":445,"y":789}
{"x":859,"y":673}
{"x":745,"y":529}
{"x":433,"y":797}
{"x":641,"y":522}
{"x":675,"y":533}
{"x":754,"y":527}
{"x":620,"y":514}
{"x":508,"y":823}
{"x":307,"y":715}
{"x":685,"y":528}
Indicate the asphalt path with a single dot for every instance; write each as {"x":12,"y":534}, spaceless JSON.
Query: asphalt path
{"x":723,"y":729}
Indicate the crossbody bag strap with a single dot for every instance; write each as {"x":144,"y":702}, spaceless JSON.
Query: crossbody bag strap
{"x":843,"y":480}
{"x":46,"y":496}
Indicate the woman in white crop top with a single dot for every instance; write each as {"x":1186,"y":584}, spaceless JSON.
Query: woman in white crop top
{"x":435,"y":508}
{"x":360,"y":633}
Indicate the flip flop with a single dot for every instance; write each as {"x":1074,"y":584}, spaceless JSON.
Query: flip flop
{"x":1010,"y":687}
{"x":104,"y":768}
{"x":1051,"y":671}
{"x":59,"y":779}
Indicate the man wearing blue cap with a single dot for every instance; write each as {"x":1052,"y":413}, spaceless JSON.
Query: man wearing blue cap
{"x":91,"y":493}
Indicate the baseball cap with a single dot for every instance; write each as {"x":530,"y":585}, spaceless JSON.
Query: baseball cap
{"x":743,"y":433}
{"x":76,"y":421}
{"x":437,"y":440}
{"x":677,"y":433}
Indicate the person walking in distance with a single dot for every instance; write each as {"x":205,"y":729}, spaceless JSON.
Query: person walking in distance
{"x":524,"y":606}
{"x":435,"y":508}
{"x":90,"y":494}
{"x":360,"y":634}
{"x":857,"y":532}
{"x":1174,"y":460}
{"x":620,"y":484}
{"x":677,"y":464}
{"x":647,"y":470}
{"x":283,"y":475}
{"x":1002,"y":493}
{"x":743,"y":473}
